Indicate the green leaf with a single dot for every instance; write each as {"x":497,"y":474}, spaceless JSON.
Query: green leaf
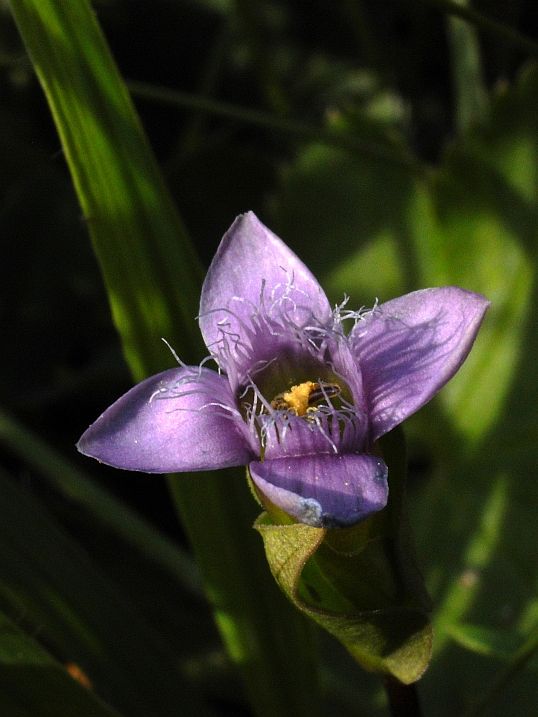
{"x":475,"y":522}
{"x":483,"y":225}
{"x":360,"y":584}
{"x":32,"y":684}
{"x":391,"y":640}
{"x":474,"y":226}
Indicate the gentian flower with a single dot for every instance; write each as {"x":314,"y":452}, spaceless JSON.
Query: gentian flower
{"x":295,"y":398}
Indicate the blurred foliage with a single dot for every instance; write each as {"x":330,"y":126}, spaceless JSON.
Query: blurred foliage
{"x":444,"y":190}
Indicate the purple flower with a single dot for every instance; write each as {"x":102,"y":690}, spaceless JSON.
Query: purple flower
{"x":295,"y":398}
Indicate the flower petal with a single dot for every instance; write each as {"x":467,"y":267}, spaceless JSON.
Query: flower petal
{"x":254,"y":272}
{"x":183,"y":419}
{"x":324,"y":491}
{"x":408,"y":348}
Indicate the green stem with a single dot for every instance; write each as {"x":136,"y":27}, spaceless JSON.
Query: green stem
{"x":273,"y":123}
{"x":492,"y":27}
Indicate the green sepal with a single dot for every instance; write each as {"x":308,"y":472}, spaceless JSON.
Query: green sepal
{"x":361,"y":584}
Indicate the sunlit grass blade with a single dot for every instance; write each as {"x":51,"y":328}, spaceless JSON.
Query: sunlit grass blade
{"x":153,"y":280}
{"x":145,"y":256}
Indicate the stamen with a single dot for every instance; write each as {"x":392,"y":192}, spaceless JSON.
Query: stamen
{"x":174,"y":354}
{"x":324,"y":391}
{"x":317,"y":419}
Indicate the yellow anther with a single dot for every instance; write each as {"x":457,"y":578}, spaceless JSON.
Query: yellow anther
{"x":301,"y":399}
{"x":298,"y":396}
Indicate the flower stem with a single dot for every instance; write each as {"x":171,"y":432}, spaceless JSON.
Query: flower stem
{"x":403,"y":699}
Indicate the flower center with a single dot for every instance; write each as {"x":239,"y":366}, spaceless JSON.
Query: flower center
{"x":296,"y":404}
{"x":286,"y":389}
{"x":303,"y":398}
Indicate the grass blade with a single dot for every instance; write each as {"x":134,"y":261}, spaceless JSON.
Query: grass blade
{"x":153,"y":280}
